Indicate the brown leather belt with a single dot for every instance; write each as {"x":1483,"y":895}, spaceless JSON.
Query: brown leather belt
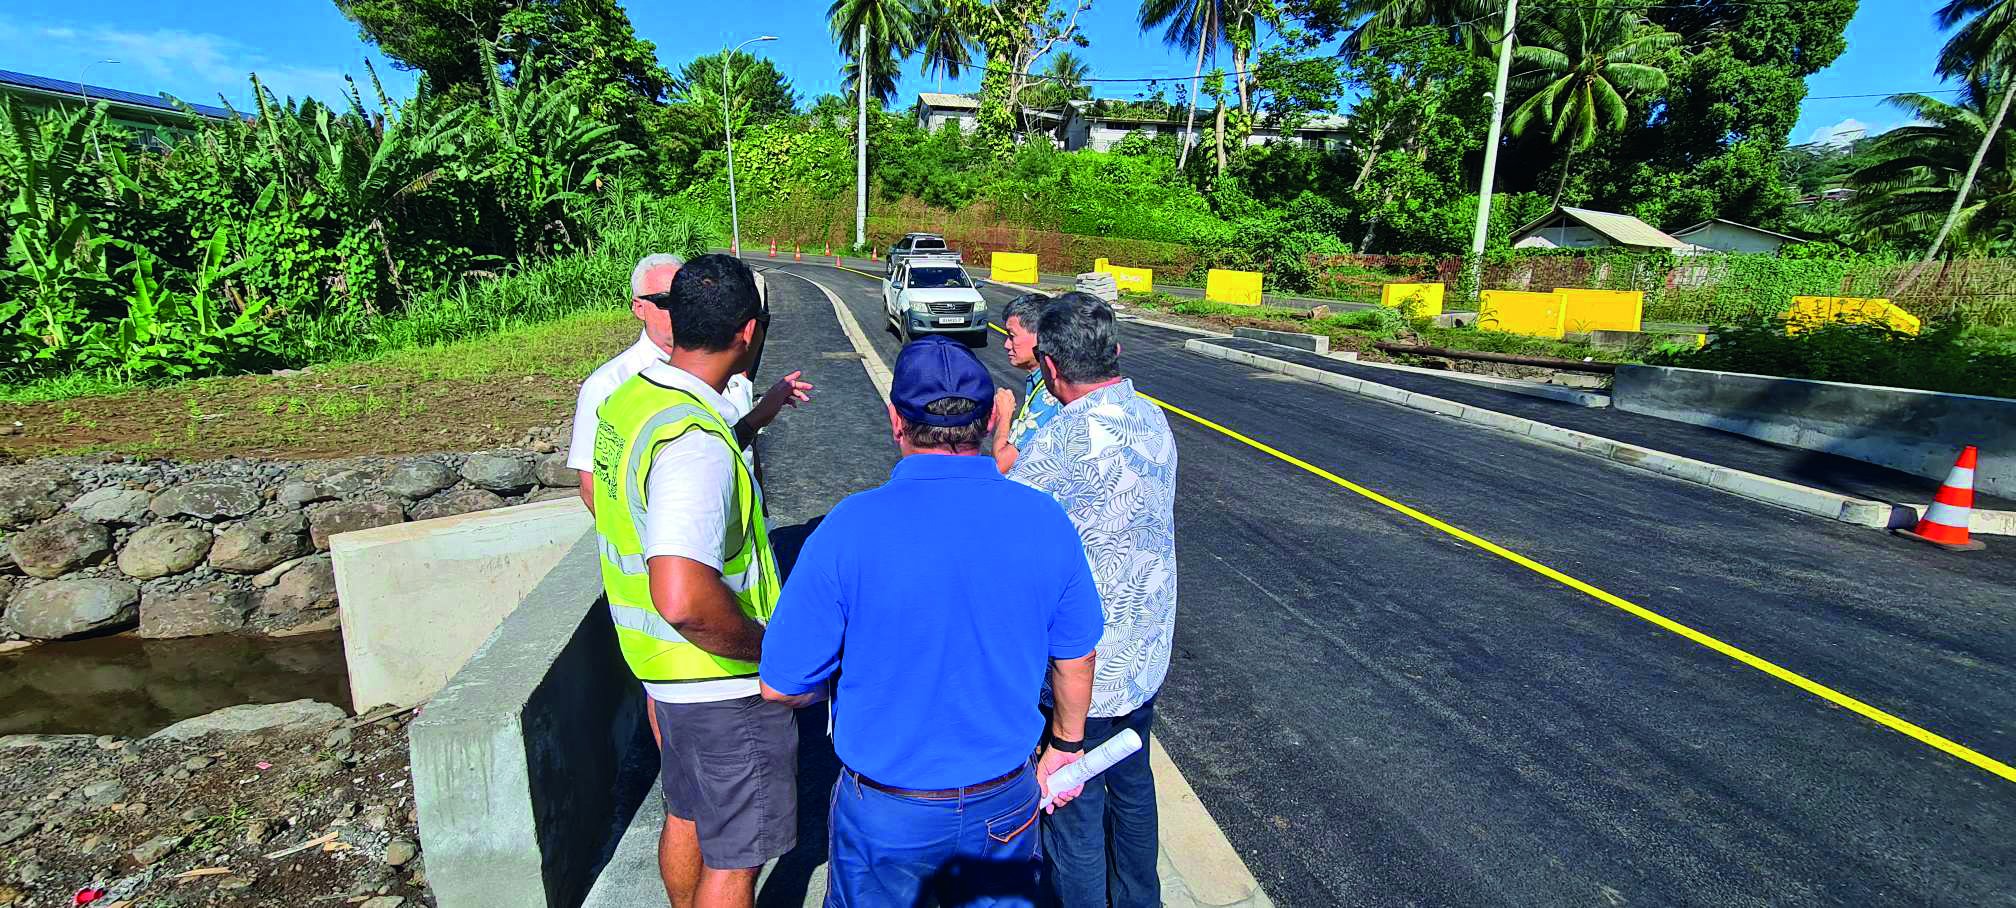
{"x":942,"y":794}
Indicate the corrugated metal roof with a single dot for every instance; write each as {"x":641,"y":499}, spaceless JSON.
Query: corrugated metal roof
{"x":1622,"y":229}
{"x":1783,"y":236}
{"x":45,"y":85}
{"x":943,"y":99}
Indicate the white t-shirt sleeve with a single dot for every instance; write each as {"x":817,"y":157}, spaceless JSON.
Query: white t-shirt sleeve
{"x":688,"y":499}
{"x":581,"y":446}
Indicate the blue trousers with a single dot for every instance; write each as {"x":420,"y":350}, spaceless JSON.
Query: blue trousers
{"x":888,"y":851}
{"x":1100,"y":848}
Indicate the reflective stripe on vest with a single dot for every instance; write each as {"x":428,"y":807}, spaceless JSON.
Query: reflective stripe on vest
{"x":634,"y":424}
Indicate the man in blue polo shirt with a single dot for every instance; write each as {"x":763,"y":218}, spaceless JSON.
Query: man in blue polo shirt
{"x":941,"y":655}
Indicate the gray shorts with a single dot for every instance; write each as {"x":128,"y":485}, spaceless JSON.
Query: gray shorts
{"x":731,"y":767}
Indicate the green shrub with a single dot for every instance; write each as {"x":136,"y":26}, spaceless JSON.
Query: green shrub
{"x":1942,"y":358}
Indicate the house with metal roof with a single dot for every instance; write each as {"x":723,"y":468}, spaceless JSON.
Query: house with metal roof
{"x":1090,"y":124}
{"x":1582,"y":228}
{"x":935,"y":109}
{"x":153,"y":119}
{"x":1728,"y":236}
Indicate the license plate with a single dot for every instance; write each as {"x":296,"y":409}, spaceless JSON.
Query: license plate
{"x":951,"y":321}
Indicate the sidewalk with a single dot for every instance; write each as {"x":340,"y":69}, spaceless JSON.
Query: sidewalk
{"x":1680,"y":443}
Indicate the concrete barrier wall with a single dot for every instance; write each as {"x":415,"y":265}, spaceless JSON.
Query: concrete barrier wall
{"x":1237,"y":287}
{"x":418,"y":598}
{"x":1014,"y":267}
{"x":1522,"y":312}
{"x":1425,"y":298}
{"x":1919,"y":432}
{"x":1602,"y":310}
{"x":530,"y":761}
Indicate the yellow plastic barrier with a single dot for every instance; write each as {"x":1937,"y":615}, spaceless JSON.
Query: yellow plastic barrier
{"x":1132,"y":280}
{"x":1603,"y":310}
{"x":1426,"y":299}
{"x":1810,"y":311}
{"x":1015,"y":267}
{"x":1237,"y":287}
{"x":1100,"y":264}
{"x":1520,"y":312}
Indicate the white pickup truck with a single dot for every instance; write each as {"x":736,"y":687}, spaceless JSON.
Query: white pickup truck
{"x":934,"y":295}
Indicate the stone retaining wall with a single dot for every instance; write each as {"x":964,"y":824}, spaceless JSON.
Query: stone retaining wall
{"x":95,"y":545}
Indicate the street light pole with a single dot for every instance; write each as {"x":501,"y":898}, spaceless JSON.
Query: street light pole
{"x":728,"y":131}
{"x":1474,"y":269}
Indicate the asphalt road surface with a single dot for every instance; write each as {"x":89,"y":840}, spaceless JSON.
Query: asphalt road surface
{"x":1381,"y":710}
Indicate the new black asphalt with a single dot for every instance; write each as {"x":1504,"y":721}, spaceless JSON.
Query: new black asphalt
{"x":1382,"y":713}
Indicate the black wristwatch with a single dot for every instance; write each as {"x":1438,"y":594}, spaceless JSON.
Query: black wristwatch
{"x":1067,"y":747}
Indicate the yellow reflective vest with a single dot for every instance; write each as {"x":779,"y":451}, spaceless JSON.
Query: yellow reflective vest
{"x":637,"y":421}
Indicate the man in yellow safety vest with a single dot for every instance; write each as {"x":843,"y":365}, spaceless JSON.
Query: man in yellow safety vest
{"x":691,"y":581}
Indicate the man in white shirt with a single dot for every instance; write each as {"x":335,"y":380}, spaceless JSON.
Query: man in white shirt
{"x":651,"y":278}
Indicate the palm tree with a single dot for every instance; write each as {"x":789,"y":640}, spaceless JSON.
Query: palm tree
{"x":1476,"y":22}
{"x":869,"y":32}
{"x":1918,"y":172}
{"x":941,"y":40}
{"x":1198,"y":24}
{"x":1579,"y":59}
{"x":1984,"y":47}
{"x":1068,"y":73}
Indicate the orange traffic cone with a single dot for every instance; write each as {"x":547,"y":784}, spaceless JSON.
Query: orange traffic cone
{"x":797,"y":252}
{"x":1945,"y":520}
{"x":773,"y":247}
{"x":829,"y":248}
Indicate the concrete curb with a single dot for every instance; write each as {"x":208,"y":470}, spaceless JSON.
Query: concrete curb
{"x":1199,"y":865}
{"x":1515,"y":386}
{"x":1833,"y":506}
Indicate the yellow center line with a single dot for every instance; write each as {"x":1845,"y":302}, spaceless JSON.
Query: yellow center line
{"x":1790,"y":677}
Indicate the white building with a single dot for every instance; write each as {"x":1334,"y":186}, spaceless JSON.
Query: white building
{"x":935,"y":109}
{"x":1582,"y":228}
{"x":1077,"y":125}
{"x":1728,"y":236}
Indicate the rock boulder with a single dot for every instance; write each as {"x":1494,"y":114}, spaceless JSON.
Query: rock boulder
{"x":326,"y":520}
{"x":449,"y":504}
{"x":67,"y":608}
{"x":251,"y":546}
{"x":25,"y":499}
{"x":252,"y":717}
{"x":112,"y":505}
{"x":215,"y":608}
{"x":553,"y":472}
{"x":419,"y":479}
{"x":208,"y":500}
{"x":57,"y":547}
{"x":308,"y":585}
{"x":163,"y":549}
{"x":498,"y":473}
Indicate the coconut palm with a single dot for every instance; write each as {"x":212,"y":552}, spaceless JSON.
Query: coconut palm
{"x":1068,"y":72}
{"x":1983,"y":47}
{"x":941,"y":40}
{"x":870,"y":32}
{"x":1579,"y":59}
{"x":1919,"y":172}
{"x":1190,"y":24}
{"x":1477,"y":23}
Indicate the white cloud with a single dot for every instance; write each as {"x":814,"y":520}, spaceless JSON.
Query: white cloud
{"x":1841,"y":133}
{"x":195,"y":66}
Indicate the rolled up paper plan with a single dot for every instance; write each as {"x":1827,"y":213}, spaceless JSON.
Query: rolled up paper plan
{"x":1100,"y":759}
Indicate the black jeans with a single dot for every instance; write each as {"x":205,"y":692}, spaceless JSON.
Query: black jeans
{"x":1100,"y":848}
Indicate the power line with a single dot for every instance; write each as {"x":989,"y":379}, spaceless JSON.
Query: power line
{"x":1885,"y":94}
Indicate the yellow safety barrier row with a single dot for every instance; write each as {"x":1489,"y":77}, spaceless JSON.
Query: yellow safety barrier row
{"x":1602,"y":310}
{"x":1237,"y":287}
{"x":1810,"y":311}
{"x":1520,"y":312}
{"x":1418,"y":300}
{"x":1127,"y":280}
{"x":1015,"y":267}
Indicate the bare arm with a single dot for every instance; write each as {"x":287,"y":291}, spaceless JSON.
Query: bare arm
{"x":691,"y":597}
{"x":1071,"y":692}
{"x":1004,"y":450}
{"x":588,"y":489}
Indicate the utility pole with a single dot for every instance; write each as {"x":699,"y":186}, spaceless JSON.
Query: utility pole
{"x":1474,"y":269}
{"x":728,"y":134}
{"x":861,"y":140}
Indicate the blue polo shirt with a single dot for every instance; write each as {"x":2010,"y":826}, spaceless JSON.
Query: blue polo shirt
{"x":940,"y":598}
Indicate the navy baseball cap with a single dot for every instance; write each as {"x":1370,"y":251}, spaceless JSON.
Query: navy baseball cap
{"x":933,"y":368}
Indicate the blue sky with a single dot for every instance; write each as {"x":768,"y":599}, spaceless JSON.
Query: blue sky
{"x":198,"y":48}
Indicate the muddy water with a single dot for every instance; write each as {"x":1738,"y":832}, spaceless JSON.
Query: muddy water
{"x":128,"y":686}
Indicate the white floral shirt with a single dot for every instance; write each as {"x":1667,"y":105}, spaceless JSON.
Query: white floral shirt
{"x":1109,"y":459}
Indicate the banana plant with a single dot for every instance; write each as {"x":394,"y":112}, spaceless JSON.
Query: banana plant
{"x":50,"y":249}
{"x":168,"y":333}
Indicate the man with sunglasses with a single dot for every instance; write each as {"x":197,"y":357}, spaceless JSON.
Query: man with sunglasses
{"x":650,"y":286}
{"x":691,"y":581}
{"x":1038,"y":404}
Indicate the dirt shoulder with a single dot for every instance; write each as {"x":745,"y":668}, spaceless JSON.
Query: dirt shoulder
{"x":472,"y":395}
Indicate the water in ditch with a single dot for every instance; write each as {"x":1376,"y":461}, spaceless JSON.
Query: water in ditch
{"x":123,"y":685}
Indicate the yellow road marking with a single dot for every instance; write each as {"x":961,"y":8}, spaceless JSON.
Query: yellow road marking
{"x":1790,"y":677}
{"x":1774,"y":670}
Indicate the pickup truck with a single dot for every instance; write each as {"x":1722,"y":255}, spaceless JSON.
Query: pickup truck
{"x":913,"y":245}
{"x":934,"y":295}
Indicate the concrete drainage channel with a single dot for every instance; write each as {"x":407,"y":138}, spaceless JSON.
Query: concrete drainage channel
{"x":1819,"y":502}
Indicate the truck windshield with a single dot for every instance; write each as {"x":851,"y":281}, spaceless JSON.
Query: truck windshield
{"x":938,"y":277}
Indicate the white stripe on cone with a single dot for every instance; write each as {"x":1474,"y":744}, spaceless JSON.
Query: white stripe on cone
{"x":1961,"y":478}
{"x":1947,"y":515}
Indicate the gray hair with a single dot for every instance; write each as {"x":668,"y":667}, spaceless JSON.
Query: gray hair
{"x":947,"y":438}
{"x":1076,"y":331}
{"x":1027,"y":308}
{"x":644,"y":266}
